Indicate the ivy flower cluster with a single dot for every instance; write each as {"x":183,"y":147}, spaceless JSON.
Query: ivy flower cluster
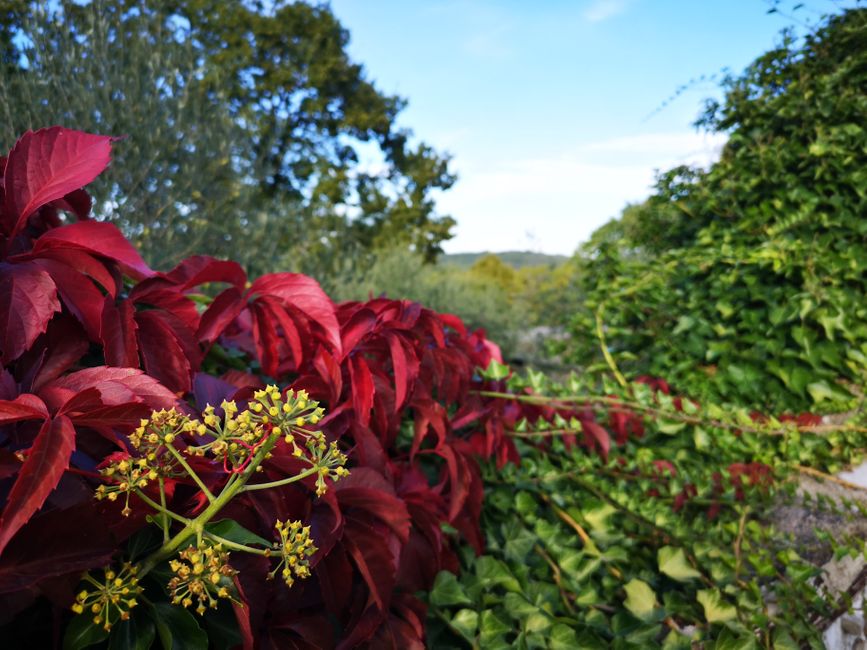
{"x":129,"y":474}
{"x":112,"y":599}
{"x":295,"y":548}
{"x":242,"y":440}
{"x":202,"y":575}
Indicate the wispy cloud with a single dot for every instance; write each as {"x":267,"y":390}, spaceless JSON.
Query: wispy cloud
{"x":600,"y":10}
{"x":565,"y":196}
{"x":491,"y":43}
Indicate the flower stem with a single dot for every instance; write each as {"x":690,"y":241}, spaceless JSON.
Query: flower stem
{"x":235,"y":546}
{"x":189,"y":470}
{"x":165,"y":512}
{"x":285,"y":481}
{"x":165,"y":519}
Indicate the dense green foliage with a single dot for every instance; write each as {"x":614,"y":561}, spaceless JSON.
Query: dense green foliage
{"x":663,"y":541}
{"x":746,"y":282}
{"x":258,"y":102}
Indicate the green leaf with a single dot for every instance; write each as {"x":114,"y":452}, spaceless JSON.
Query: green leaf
{"x":491,"y":571}
{"x":466,"y":621}
{"x":518,"y":606}
{"x":82,"y":633}
{"x":783,"y":641}
{"x":716,"y":610}
{"x":640,"y":599}
{"x":670,"y":427}
{"x":448,"y":591}
{"x":673,"y":563}
{"x":178,"y":629}
{"x":821,"y":391}
{"x":135,"y":634}
{"x":563,"y":637}
{"x":492,"y":626}
{"x":146,"y":540}
{"x":496,"y":371}
{"x":235,"y":532}
{"x":221,"y":626}
{"x":731,"y":640}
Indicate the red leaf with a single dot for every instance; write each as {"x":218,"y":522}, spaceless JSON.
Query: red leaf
{"x":28,"y":300}
{"x":219,"y":314}
{"x":78,"y":202}
{"x":47,"y":165}
{"x":596,"y":434}
{"x":54,"y":543}
{"x":116,"y":387}
{"x":23,"y":407}
{"x":80,"y":261}
{"x":356,"y":328}
{"x":40,"y":474}
{"x":265,"y":337}
{"x":118,"y":334}
{"x":362,"y":388}
{"x":97,"y":238}
{"x":161,"y":350}
{"x":80,"y":295}
{"x":329,"y":370}
{"x":242,"y":616}
{"x":374,"y":562}
{"x":290,"y":330}
{"x":200,"y":269}
{"x":168,"y":299}
{"x":405,"y":365}
{"x":304,"y":294}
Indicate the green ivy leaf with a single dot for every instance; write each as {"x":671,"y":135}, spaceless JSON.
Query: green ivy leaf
{"x":235,"y":532}
{"x":640,"y":599}
{"x":178,"y":629}
{"x":82,"y":633}
{"x":673,"y":563}
{"x":448,"y":591}
{"x":492,"y":626}
{"x":491,"y":571}
{"x":466,"y":621}
{"x":495,"y":371}
{"x":716,"y":610}
{"x":135,"y":634}
{"x":731,"y":640}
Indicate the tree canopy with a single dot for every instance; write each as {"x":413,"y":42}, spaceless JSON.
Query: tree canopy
{"x":256,"y":111}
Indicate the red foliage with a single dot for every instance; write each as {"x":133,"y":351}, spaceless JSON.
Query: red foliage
{"x":92,"y":340}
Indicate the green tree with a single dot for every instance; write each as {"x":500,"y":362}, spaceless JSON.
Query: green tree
{"x":745,"y":282}
{"x":259,"y":111}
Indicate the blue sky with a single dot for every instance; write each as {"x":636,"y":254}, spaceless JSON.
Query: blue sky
{"x":549,"y":107}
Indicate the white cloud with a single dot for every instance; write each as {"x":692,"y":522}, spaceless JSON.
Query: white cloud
{"x":554,"y":203}
{"x":492,"y":43}
{"x":600,"y":10}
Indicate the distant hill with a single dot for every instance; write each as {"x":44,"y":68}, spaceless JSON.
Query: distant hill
{"x":515,"y":259}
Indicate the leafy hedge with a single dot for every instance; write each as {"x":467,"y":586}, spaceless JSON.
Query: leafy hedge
{"x":745,"y":283}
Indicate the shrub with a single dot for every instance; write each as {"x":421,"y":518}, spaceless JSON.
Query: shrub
{"x":94,"y":341}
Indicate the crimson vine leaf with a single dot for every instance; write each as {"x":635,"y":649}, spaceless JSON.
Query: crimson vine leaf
{"x":28,"y":300}
{"x":47,"y":460}
{"x":48,"y":164}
